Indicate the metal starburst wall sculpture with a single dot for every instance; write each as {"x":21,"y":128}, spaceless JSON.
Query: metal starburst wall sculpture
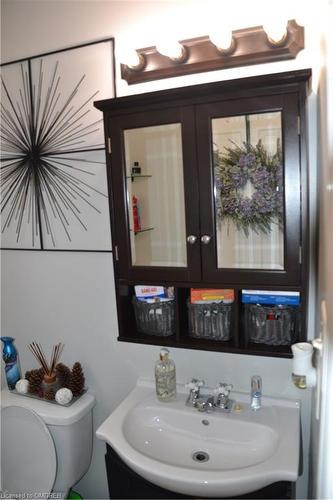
{"x":46,"y":136}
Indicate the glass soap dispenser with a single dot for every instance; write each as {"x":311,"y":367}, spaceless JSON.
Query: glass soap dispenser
{"x":165,"y":377}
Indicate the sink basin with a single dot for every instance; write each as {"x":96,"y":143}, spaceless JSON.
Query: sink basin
{"x":207,"y":454}
{"x":173,"y":435}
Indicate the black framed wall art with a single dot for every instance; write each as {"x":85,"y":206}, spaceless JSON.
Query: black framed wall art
{"x":54,"y":193}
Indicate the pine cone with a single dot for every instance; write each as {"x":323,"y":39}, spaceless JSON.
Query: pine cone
{"x":63,"y":374}
{"x":77,"y":380}
{"x":49,"y":394}
{"x":35,"y":381}
{"x":40,"y":393}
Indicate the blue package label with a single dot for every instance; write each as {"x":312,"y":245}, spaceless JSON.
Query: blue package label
{"x":151,"y":293}
{"x":270,"y":297}
{"x":144,"y":292}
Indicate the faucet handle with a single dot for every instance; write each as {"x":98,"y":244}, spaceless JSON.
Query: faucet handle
{"x":195,"y":384}
{"x":223,"y":389}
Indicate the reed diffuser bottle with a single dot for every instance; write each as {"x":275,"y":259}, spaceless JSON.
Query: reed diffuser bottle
{"x":165,"y":377}
{"x":48,"y":368}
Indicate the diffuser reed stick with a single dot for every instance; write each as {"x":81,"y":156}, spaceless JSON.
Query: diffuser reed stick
{"x":56,"y":355}
{"x":48,"y":368}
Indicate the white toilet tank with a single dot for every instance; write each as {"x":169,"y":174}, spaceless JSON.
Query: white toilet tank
{"x":64,"y":434}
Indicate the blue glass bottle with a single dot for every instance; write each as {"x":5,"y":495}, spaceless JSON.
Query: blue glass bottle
{"x":10,"y":357}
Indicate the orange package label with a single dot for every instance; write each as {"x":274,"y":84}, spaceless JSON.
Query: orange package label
{"x":212,"y":295}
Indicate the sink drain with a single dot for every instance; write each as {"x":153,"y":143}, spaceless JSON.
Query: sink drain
{"x":200,"y":456}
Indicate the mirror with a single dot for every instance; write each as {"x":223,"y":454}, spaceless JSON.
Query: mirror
{"x":248,"y":189}
{"x":155,"y":195}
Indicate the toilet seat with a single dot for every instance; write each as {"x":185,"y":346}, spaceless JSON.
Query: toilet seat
{"x":29,"y":461}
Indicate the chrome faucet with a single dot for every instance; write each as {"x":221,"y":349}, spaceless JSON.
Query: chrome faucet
{"x":222,"y":400}
{"x":194,"y":394}
{"x":256,"y":392}
{"x":219,"y":400}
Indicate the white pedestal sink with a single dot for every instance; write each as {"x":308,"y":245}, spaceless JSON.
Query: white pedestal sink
{"x":206,"y":454}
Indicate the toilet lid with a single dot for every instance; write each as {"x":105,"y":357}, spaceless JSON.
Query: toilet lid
{"x":29,"y":462}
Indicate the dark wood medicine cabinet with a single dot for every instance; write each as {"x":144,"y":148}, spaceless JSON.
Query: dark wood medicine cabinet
{"x":192,"y":230}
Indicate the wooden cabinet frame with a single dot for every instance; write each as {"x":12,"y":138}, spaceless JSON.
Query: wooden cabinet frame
{"x":194,"y":107}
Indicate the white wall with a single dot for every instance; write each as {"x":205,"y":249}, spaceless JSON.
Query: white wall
{"x":322,"y":441}
{"x":69,"y":297}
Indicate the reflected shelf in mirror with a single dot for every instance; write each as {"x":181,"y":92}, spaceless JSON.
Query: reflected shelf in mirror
{"x":138,"y":176}
{"x":143,"y":230}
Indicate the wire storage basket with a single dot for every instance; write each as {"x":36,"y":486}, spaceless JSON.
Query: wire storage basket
{"x":210,"y":321}
{"x":271,"y":325}
{"x":155,"y":318}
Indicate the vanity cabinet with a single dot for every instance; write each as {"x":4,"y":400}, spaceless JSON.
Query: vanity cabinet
{"x":220,"y":200}
{"x":123,"y":482}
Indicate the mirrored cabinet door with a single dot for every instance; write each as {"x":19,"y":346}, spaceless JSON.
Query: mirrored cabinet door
{"x":252,"y":162}
{"x":248,"y":191}
{"x":155,"y":195}
{"x":159,"y":200}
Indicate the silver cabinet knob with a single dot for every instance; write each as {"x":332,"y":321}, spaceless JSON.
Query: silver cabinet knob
{"x":205,"y":239}
{"x":191,"y":239}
